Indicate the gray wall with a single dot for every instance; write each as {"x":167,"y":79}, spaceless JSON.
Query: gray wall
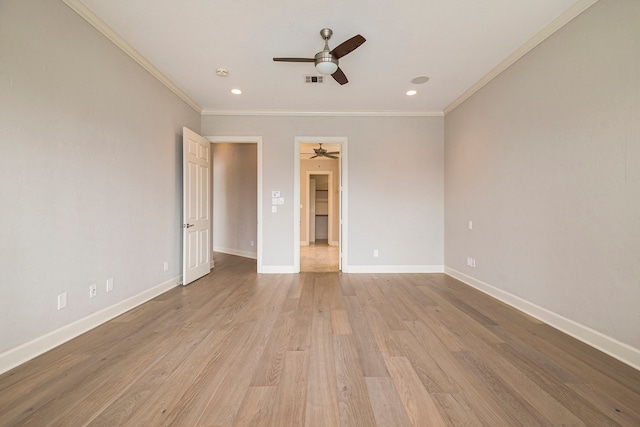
{"x":546,"y":161}
{"x":396,"y":183}
{"x":90,"y":171}
{"x":235,"y":192}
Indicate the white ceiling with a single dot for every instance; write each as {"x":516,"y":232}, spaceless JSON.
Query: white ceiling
{"x":453,"y":42}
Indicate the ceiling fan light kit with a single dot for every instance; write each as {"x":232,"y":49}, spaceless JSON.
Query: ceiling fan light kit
{"x":326,"y":61}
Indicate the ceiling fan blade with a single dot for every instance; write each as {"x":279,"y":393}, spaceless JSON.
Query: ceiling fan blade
{"x":340,"y":77}
{"x":294,"y":59}
{"x":348,"y":46}
{"x":333,"y":152}
{"x":313,"y":157}
{"x":330,"y":156}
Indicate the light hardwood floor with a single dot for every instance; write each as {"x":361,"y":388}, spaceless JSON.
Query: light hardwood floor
{"x":319,"y":257}
{"x":321,"y":349}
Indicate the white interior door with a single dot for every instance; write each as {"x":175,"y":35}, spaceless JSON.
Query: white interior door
{"x":196,"y":236}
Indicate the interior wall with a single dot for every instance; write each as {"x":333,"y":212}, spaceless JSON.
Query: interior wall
{"x":235,"y":193}
{"x":90,"y":171}
{"x":396,"y":183}
{"x":311,"y":165}
{"x":545,"y":161}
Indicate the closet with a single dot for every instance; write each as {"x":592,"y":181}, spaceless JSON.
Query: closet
{"x":319,"y":214}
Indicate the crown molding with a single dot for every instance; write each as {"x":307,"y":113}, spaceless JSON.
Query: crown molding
{"x":110,"y":34}
{"x":297,"y":113}
{"x":546,"y":32}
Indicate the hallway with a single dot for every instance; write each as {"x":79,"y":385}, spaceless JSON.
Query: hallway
{"x":319,"y":257}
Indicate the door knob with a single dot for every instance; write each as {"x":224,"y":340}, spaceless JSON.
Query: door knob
{"x":187,"y":225}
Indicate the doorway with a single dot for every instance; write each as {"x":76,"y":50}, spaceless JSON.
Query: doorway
{"x":239,"y":186}
{"x":319,"y":246}
{"x":320,"y":190}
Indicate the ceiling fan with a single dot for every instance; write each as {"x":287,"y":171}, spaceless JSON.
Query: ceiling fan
{"x":321,"y":152}
{"x":326,"y":61}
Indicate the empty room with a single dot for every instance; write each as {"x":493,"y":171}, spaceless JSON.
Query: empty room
{"x":262,"y":213}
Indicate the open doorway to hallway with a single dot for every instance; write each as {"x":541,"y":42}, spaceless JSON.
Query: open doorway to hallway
{"x":319,"y":207}
{"x":236,"y":183}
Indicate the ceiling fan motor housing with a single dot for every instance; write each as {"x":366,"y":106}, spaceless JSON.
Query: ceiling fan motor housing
{"x":325,"y":62}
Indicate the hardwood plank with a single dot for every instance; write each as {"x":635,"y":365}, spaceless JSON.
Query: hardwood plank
{"x":386,"y":404}
{"x":608,"y":403}
{"x":455,"y":410}
{"x":433,"y":378}
{"x":322,"y":395}
{"x":340,"y":322}
{"x":385,"y":339}
{"x":370,"y":358}
{"x":353,"y":398}
{"x":417,"y":402}
{"x":301,"y":333}
{"x":256,"y":407}
{"x":577,"y":405}
{"x":515,"y":409}
{"x":289,"y":405}
{"x":270,"y":367}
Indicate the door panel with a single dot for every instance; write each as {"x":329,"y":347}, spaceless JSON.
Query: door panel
{"x":196,"y":210}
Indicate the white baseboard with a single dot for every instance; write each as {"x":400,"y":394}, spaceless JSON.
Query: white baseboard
{"x":614,"y":348}
{"x":395,"y":269}
{"x":244,"y":254}
{"x":277,"y":269}
{"x":334,"y":243}
{"x":27,"y":351}
{"x":304,"y":243}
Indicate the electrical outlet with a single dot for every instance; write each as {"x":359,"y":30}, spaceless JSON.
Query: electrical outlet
{"x":471,"y":262}
{"x":62,"y":300}
{"x":166,"y":265}
{"x":470,"y":225}
{"x":109,"y":285}
{"x":93,"y":291}
{"x":375,"y":253}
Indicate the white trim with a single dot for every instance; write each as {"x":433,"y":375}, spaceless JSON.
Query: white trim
{"x":121,"y":43}
{"x":344,"y":182}
{"x":27,"y":351}
{"x":215,"y":139}
{"x":297,"y":113}
{"x":303,"y":243}
{"x":334,"y":244}
{"x":244,"y":254}
{"x":546,"y":32}
{"x":211,"y":265}
{"x":396,"y":269}
{"x":614,"y":348}
{"x":277,"y":269}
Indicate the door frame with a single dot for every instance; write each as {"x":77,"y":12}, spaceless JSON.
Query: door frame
{"x":344,"y":180}
{"x":216,"y":139}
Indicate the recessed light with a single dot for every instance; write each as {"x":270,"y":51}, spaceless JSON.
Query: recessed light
{"x":420,"y":80}
{"x":236,"y":91}
{"x":222,"y":72}
{"x":411,"y":92}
